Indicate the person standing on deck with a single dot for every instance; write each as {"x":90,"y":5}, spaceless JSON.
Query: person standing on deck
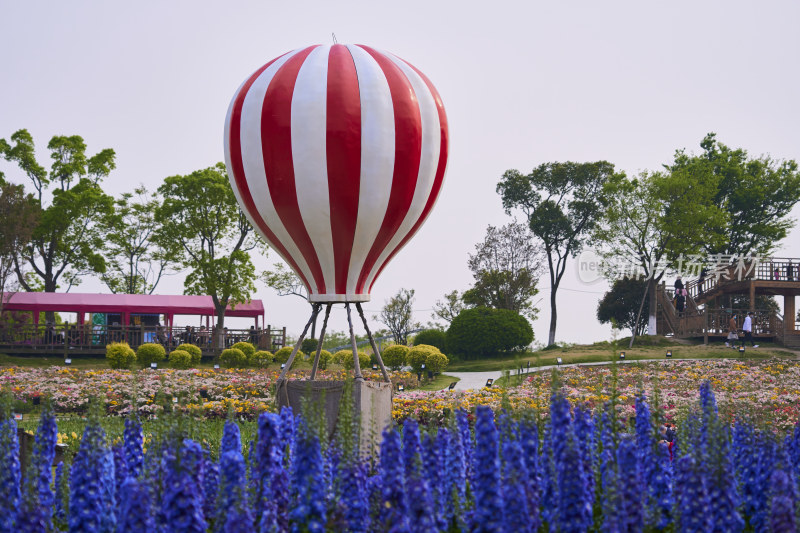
{"x":747,"y":329}
{"x":790,"y":271}
{"x":732,"y":327}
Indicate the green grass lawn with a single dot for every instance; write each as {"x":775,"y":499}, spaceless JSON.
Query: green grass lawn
{"x":605,"y":352}
{"x":442,"y":381}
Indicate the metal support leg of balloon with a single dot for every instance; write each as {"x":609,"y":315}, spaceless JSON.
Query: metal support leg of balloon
{"x":356,"y":362}
{"x":319,"y":343}
{"x":315,"y":311}
{"x":372,"y":342}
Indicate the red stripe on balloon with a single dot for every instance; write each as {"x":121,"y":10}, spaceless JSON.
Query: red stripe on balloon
{"x":276,"y":135}
{"x":235,"y":146}
{"x":343,"y":150}
{"x":407,"y":155}
{"x":440,"y":169}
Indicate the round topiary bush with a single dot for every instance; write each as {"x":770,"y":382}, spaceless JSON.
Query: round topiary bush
{"x":483,"y":332}
{"x":309,"y":346}
{"x":260,"y":359}
{"x":120,"y":355}
{"x":436,"y":362}
{"x":345,"y":358}
{"x":418,"y":356}
{"x":431,"y":337}
{"x":248,"y":349}
{"x":325,"y":358}
{"x":150,"y":353}
{"x":394,"y":356}
{"x":194,"y":351}
{"x":180,"y":359}
{"x":233,"y":358}
{"x":282,"y":355}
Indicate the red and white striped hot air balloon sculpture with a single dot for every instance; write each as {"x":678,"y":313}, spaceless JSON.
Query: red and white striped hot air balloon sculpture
{"x":336,"y":155}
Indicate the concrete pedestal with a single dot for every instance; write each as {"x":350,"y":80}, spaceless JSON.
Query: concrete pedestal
{"x":372,"y":401}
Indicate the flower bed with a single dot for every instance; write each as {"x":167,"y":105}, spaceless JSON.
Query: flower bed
{"x":208,"y":393}
{"x":767,"y":390}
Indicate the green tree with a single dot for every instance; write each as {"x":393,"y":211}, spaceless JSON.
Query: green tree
{"x":562,"y":202}
{"x":19,"y":214}
{"x":757,"y":193}
{"x":397,"y":315}
{"x":449,"y":307}
{"x":287,"y":283}
{"x":69,"y":239}
{"x":136,"y":258}
{"x":210,"y":236}
{"x":620,"y":305}
{"x":506,"y":267}
{"x":653,"y":220}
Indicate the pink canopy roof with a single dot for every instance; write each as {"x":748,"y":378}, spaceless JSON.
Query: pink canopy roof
{"x":126,"y":303}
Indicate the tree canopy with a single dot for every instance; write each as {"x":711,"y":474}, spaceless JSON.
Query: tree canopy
{"x":397,"y":315}
{"x":19,"y":214}
{"x":209,"y":236}
{"x":562,"y":202}
{"x":758,"y":193}
{"x":136,"y":259}
{"x":620,"y":305}
{"x":506,"y":267}
{"x":70,"y":235}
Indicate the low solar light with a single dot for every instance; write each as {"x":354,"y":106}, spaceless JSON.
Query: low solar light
{"x":374,"y":367}
{"x":489,"y":382}
{"x":67,"y":362}
{"x":451,"y":386}
{"x":622,"y":355}
{"x":17,"y":416}
{"x":423,"y":365}
{"x":216,"y":367}
{"x":669,"y":353}
{"x":558,"y":361}
{"x":283,"y":365}
{"x":741,"y":349}
{"x":153,"y":365}
{"x":174,"y":399}
{"x":400,"y":387}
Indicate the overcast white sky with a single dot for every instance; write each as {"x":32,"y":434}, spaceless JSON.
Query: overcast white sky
{"x":522,"y":82}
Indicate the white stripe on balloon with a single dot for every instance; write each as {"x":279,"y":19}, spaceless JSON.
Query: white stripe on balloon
{"x":431,"y":144}
{"x":309,"y":154}
{"x":377,"y":158}
{"x":253,"y":162}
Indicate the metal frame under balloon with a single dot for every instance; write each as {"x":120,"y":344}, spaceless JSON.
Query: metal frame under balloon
{"x":316,"y":308}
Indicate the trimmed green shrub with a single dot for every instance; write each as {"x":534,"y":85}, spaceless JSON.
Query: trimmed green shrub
{"x":150,"y":353}
{"x":120,"y":355}
{"x":233,"y":358}
{"x":248,"y":349}
{"x":394,"y":356}
{"x":324,"y":359}
{"x":483,"y":332}
{"x":282,"y":355}
{"x":194,"y":351}
{"x":436,"y":362}
{"x":260,"y":359}
{"x":309,"y":346}
{"x":418,"y":356}
{"x":180,"y":359}
{"x":431,"y":337}
{"x":345,"y":358}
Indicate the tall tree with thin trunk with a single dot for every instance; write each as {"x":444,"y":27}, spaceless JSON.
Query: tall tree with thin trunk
{"x":562,"y":202}
{"x":397,"y":315}
{"x":210,"y":236}
{"x":69,"y":239}
{"x":19,"y":215}
{"x":137,"y":260}
{"x":654,"y":220}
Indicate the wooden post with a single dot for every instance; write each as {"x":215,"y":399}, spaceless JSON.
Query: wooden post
{"x":789,"y":313}
{"x":752,"y":296}
{"x":705,"y":326}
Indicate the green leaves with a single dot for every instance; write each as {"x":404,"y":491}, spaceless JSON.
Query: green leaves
{"x":202,"y":227}
{"x":69,"y":238}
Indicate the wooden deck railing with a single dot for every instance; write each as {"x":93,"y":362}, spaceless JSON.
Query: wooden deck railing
{"x":89,"y":338}
{"x":769,"y":269}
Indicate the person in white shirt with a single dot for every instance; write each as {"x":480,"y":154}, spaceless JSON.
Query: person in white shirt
{"x":747,"y":328}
